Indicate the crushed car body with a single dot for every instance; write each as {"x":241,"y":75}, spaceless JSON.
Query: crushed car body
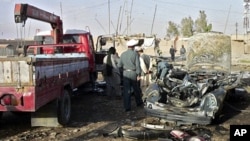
{"x":194,"y":94}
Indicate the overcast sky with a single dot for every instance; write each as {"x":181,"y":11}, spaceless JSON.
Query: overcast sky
{"x":143,"y":16}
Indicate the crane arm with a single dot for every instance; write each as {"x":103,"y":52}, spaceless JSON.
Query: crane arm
{"x":24,"y":11}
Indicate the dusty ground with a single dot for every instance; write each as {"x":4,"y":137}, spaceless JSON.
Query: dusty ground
{"x":94,"y":114}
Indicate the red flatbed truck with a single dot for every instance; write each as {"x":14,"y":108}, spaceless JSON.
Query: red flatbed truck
{"x":41,"y":78}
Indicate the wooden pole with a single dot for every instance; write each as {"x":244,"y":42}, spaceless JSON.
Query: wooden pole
{"x":153,"y":20}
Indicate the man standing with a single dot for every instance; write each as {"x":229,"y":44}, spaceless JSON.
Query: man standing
{"x":111,"y":73}
{"x":145,"y":65}
{"x":172,"y":52}
{"x":129,"y":63}
{"x":182,"y":52}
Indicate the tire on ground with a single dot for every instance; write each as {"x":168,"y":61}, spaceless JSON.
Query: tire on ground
{"x":1,"y":114}
{"x":64,"y":108}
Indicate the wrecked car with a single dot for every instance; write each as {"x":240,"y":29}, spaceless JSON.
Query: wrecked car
{"x":194,"y":94}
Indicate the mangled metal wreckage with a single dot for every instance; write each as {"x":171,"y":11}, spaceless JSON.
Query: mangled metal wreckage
{"x":195,"y":93}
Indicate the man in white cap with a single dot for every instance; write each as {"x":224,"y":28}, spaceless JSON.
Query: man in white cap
{"x":129,"y":63}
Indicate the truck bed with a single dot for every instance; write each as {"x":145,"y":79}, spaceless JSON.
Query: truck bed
{"x":35,"y":80}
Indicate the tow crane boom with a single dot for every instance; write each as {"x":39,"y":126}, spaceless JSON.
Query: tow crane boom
{"x":24,"y":11}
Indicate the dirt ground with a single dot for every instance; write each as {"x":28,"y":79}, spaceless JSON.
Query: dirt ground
{"x":94,"y":114}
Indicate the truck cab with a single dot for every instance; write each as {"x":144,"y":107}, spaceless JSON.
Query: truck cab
{"x":83,"y":42}
{"x":74,"y":40}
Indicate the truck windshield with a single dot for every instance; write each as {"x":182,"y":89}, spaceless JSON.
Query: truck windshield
{"x":71,"y":39}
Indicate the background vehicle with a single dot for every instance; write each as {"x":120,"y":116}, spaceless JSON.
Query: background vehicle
{"x":104,"y":42}
{"x":43,"y":37}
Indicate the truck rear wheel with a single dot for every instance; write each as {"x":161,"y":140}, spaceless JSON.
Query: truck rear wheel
{"x":64,"y":108}
{"x":1,"y":114}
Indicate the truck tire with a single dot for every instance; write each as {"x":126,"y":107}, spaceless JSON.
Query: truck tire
{"x":1,"y":114}
{"x":64,"y":108}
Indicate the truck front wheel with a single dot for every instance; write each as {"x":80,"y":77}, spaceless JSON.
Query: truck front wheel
{"x":64,"y":108}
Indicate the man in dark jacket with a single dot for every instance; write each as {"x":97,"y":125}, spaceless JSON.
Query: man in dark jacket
{"x":145,"y":66}
{"x":129,"y":63}
{"x":172,"y":52}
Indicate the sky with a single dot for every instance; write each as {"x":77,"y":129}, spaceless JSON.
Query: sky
{"x":123,"y":16}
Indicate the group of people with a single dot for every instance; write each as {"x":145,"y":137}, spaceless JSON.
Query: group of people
{"x":133,"y":65}
{"x":172,"y":52}
{"x":132,"y":69}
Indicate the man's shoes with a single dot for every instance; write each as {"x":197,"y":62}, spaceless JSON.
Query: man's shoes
{"x":118,"y":97}
{"x":127,"y":110}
